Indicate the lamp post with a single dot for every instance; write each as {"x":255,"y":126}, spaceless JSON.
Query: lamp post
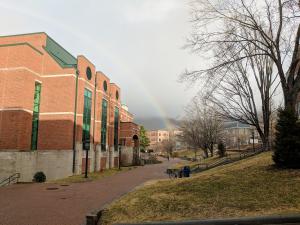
{"x":86,"y":147}
{"x":120,"y":156}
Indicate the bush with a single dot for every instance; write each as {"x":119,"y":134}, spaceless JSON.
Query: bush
{"x":287,"y":142}
{"x":39,"y":177}
{"x":221,"y":149}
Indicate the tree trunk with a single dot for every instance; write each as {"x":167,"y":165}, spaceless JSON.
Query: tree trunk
{"x":205,"y":152}
{"x":291,"y":100}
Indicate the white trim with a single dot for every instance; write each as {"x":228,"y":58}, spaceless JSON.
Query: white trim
{"x":16,"y":109}
{"x":102,"y":92}
{"x":57,"y":113}
{"x":19,"y":68}
{"x":87,"y":82}
{"x":36,"y":80}
{"x":89,"y":89}
{"x":59,"y":75}
{"x":38,"y":74}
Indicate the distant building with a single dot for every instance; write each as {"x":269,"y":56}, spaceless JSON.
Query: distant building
{"x":238,"y":134}
{"x":156,"y":137}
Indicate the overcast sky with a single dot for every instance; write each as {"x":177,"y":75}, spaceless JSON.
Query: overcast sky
{"x":137,"y":43}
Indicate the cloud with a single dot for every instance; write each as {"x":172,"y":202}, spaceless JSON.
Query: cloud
{"x":135,"y":42}
{"x":149,"y":10}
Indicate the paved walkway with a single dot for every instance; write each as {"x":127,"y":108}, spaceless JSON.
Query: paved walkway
{"x":33,"y":204}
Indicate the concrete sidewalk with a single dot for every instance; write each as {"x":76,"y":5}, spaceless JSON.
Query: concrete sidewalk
{"x":34,"y":204}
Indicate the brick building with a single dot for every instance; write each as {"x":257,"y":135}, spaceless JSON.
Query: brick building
{"x":53,"y":106}
{"x":129,"y":136}
{"x":157,"y":136}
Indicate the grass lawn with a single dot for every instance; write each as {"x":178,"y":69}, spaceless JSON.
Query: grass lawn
{"x":245,"y":188}
{"x":186,"y":153}
{"x":91,"y":176}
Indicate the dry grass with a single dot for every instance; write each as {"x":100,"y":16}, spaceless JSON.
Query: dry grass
{"x":196,"y":163}
{"x":91,"y":176}
{"x":245,"y":188}
{"x":186,"y":153}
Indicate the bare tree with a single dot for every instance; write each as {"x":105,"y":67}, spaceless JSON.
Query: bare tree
{"x":190,"y":134}
{"x":234,"y":93}
{"x":201,"y":127}
{"x":267,"y":28}
{"x":168,"y":146}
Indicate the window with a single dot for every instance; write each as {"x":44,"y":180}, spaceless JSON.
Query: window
{"x":103,"y":125}
{"x":86,"y":127}
{"x":88,"y":73}
{"x":116,"y":128}
{"x":35,"y":116}
{"x":105,"y":86}
{"x":117,"y":95}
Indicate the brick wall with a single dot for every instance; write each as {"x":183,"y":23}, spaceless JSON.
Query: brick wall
{"x":24,"y":60}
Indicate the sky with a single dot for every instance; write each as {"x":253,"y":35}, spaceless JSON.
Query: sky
{"x":137,"y":43}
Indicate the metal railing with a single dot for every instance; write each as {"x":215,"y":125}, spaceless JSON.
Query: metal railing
{"x":225,"y":160}
{"x":12,"y":179}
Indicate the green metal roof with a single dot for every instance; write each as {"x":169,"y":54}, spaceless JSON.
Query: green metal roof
{"x":59,"y":54}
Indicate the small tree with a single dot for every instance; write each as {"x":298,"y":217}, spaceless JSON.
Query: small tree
{"x":168,"y":146}
{"x":287,"y":144}
{"x":144,"y":140}
{"x":221,"y":149}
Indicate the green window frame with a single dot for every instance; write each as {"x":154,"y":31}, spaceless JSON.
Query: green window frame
{"x":35,"y":115}
{"x":86,"y":125}
{"x":116,"y":129}
{"x":104,"y":125}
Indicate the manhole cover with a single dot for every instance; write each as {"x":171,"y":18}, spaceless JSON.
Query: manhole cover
{"x":52,"y":188}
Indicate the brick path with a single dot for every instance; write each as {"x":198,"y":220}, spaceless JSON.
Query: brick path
{"x":33,"y":204}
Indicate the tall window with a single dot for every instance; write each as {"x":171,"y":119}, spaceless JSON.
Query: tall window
{"x":103,"y":125}
{"x":86,"y":118}
{"x":116,"y":128}
{"x":35,"y":116}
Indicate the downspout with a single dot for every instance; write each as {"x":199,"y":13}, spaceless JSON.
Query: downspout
{"x":75,"y":117}
{"x":95,"y":95}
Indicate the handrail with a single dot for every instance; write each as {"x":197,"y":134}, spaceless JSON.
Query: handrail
{"x":226,"y":160}
{"x":10,"y":179}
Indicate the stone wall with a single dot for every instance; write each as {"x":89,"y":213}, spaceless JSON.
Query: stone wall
{"x":126,"y":156}
{"x":55,"y":164}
